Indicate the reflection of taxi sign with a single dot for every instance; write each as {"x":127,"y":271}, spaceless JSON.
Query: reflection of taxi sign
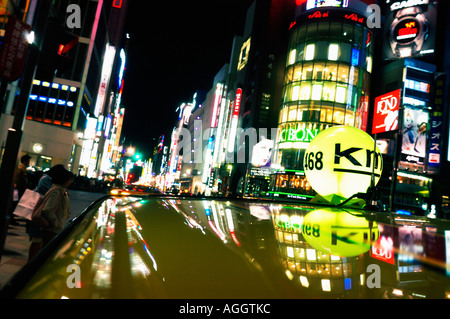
{"x":338,"y":232}
{"x":339,"y":161}
{"x":287,"y":222}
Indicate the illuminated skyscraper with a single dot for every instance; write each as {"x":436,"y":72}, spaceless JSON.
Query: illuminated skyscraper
{"x":326,"y":83}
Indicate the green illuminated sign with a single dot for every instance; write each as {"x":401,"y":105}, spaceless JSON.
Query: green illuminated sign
{"x":298,"y":134}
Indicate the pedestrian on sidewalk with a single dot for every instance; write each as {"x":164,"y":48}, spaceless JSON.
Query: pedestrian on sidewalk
{"x":21,"y":183}
{"x":56,"y":209}
{"x":33,"y":230}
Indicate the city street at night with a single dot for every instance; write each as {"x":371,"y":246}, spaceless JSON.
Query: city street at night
{"x":272,"y":151}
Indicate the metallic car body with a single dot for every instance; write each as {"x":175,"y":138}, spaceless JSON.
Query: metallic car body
{"x":172,"y":247}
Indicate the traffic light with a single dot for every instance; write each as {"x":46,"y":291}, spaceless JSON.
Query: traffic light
{"x":57,"y":52}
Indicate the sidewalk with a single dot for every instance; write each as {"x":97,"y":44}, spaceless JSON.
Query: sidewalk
{"x":17,"y":243}
{"x":15,"y":254}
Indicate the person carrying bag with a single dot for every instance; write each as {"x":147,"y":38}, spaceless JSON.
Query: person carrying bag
{"x":54,"y":210}
{"x":27,"y":204}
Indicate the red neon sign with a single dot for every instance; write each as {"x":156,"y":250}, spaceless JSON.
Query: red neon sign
{"x":237,"y":103}
{"x":354,"y":17}
{"x":117,"y":3}
{"x":318,"y":15}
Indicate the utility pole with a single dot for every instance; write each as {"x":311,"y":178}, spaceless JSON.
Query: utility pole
{"x":15,"y":133}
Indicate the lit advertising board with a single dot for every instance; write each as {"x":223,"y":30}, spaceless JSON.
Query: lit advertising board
{"x":414,"y":141}
{"x":311,"y":4}
{"x":385,"y":117}
{"x":108,"y":61}
{"x":410,"y":28}
{"x":262,"y":153}
{"x":383,"y":248}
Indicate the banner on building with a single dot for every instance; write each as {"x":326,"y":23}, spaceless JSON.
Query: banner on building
{"x":385,"y":117}
{"x":14,"y":49}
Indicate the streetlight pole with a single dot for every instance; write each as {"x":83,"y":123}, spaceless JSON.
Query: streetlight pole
{"x":15,"y":133}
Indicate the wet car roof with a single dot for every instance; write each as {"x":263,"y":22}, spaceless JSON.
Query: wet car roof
{"x":169,"y":247}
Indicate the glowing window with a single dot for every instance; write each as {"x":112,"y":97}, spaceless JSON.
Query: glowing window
{"x":284,"y":115}
{"x":292,"y":56}
{"x":309,"y":55}
{"x":329,"y":90}
{"x":369,"y":64}
{"x":326,"y":284}
{"x":333,"y":52}
{"x":311,"y":254}
{"x":304,"y":281}
{"x":290,"y":251}
{"x":316,"y":92}
{"x":305,"y":92}
{"x":295,"y":93}
{"x":292,"y":114}
{"x":340,"y":94}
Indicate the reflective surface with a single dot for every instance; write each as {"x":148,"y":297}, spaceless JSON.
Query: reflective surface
{"x":136,"y":247}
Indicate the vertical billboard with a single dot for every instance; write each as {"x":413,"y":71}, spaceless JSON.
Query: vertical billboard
{"x":410,"y":28}
{"x":414,"y":142}
{"x":385,"y":117}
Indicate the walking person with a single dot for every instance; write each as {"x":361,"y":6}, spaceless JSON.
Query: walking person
{"x":56,"y":209}
{"x":33,"y":230}
{"x":21,"y":183}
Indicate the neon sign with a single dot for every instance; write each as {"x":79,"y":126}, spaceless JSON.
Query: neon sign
{"x":298,"y":134}
{"x":117,"y":3}
{"x":354,"y":17}
{"x":237,"y":103}
{"x":318,"y":15}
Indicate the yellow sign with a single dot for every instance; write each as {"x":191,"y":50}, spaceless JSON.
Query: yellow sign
{"x":339,"y":232}
{"x":340,"y":161}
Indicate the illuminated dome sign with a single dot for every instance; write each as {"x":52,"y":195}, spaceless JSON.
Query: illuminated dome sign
{"x":338,"y":232}
{"x":340,"y":161}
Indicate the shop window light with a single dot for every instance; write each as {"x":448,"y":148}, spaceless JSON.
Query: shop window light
{"x":333,"y":52}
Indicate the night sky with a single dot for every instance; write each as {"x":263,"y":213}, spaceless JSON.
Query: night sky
{"x":175,"y":48}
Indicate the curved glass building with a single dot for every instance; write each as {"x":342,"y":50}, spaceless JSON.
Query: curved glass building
{"x":326,"y":83}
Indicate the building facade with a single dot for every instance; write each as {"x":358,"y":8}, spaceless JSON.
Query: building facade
{"x":74,"y":86}
{"x":326,"y":83}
